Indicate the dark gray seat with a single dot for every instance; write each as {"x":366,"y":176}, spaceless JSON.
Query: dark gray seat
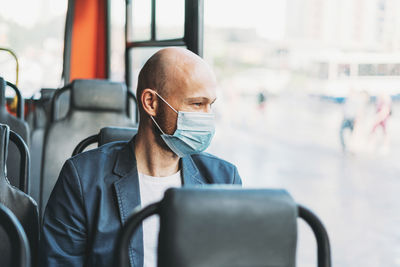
{"x":17,"y":125}
{"x":14,"y":247}
{"x":37,"y":119}
{"x":105,"y":136}
{"x":217,"y":226}
{"x":94,"y":104}
{"x":21,"y":204}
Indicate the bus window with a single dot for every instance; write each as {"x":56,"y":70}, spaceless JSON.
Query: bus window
{"x":138,"y":57}
{"x":34,"y":30}
{"x":170,"y":17}
{"x":366,"y":70}
{"x":141,"y":20}
{"x":184,"y":28}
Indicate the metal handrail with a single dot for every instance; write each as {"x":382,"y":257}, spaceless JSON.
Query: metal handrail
{"x":125,"y":235}
{"x":85,"y":143}
{"x":20,"y":100}
{"x":20,"y":251}
{"x":24,"y":165}
{"x":16,"y":60}
{"x":321,"y":235}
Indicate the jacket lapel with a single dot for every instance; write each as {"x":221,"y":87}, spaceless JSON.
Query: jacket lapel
{"x":128,"y":196}
{"x":190,"y":172}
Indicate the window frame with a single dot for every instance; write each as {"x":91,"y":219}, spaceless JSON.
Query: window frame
{"x":192,"y":38}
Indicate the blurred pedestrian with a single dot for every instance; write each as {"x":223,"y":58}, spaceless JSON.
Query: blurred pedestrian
{"x":353,"y":114}
{"x":382,"y":115}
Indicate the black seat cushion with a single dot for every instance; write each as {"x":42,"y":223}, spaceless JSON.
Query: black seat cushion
{"x":21,"y":204}
{"x":227,"y":228}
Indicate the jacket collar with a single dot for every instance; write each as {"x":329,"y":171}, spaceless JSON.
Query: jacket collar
{"x":126,"y":163}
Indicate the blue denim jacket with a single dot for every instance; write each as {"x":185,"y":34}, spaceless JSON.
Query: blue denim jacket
{"x":95,"y":194}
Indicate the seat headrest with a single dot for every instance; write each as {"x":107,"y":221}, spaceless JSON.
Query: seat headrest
{"x":112,"y":134}
{"x":4,"y":139}
{"x":98,"y":95}
{"x":213,"y":226}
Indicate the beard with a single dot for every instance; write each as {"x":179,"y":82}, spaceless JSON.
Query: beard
{"x":167,"y":120}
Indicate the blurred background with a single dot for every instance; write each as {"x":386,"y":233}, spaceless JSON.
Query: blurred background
{"x":308,"y":101}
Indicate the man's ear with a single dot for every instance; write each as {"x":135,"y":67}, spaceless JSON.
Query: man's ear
{"x":149,"y":101}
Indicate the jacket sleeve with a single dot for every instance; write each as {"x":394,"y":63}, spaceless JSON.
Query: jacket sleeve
{"x":64,"y":234}
{"x":236,"y":177}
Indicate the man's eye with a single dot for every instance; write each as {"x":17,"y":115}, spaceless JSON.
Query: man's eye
{"x":197,"y":104}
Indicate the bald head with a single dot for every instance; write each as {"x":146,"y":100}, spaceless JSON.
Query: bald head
{"x":173,"y":70}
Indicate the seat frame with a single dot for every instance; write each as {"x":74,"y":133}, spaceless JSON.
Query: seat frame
{"x":136,"y":219}
{"x":18,"y":239}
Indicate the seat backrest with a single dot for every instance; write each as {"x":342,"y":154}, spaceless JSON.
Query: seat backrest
{"x":245,"y":228}
{"x":21,"y":204}
{"x":113,"y":134}
{"x":14,"y":246}
{"x":37,"y":118}
{"x":217,"y":226}
{"x":94,"y":104}
{"x":105,"y":136}
{"x":21,"y":128}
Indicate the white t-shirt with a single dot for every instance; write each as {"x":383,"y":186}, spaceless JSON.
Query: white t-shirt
{"x":152,"y":190}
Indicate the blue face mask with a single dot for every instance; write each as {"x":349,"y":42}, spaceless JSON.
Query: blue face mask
{"x":193,"y":133}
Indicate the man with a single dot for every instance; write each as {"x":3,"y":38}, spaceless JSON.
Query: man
{"x":98,"y":190}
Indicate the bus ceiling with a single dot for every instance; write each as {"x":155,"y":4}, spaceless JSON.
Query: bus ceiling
{"x":87,"y":37}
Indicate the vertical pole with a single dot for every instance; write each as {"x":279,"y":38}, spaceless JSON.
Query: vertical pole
{"x":107,"y":6}
{"x":128,"y":25}
{"x":194,"y":25}
{"x":153,"y":20}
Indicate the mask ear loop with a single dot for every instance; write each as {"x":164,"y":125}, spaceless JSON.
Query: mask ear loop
{"x":166,"y":102}
{"x":158,"y":126}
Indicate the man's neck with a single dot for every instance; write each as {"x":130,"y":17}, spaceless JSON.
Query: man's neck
{"x":152,"y":159}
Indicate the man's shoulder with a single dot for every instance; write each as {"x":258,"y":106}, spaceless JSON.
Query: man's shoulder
{"x":109,"y":150}
{"x":215,"y":169}
{"x":208,"y":158}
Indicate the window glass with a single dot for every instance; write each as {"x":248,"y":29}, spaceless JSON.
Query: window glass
{"x":140,"y":27}
{"x":34,"y":30}
{"x":367,"y":69}
{"x":117,"y":41}
{"x":344,"y":70}
{"x":170,"y":19}
{"x":138,"y":57}
{"x":320,"y":119}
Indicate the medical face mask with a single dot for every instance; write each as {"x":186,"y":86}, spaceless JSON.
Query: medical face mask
{"x":193,"y":133}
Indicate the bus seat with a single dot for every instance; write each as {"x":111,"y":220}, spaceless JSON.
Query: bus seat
{"x":93,"y":104}
{"x":14,"y":248}
{"x":105,"y":136}
{"x":17,"y":125}
{"x":21,"y":204}
{"x":217,"y":226}
{"x":37,"y":118}
{"x":112,"y":134}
